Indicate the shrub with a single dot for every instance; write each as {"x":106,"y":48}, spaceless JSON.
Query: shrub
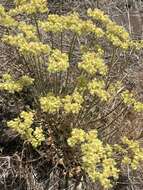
{"x":74,"y":86}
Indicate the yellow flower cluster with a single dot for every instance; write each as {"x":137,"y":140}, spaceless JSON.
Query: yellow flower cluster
{"x":97,"y":158}
{"x":129,"y":99}
{"x":21,"y":2}
{"x":70,"y":103}
{"x":77,"y":136}
{"x":25,"y":80}
{"x":98,"y":15}
{"x":93,"y":63}
{"x":96,"y":87}
{"x":79,"y":26}
{"x":89,"y":27}
{"x":22,"y":125}
{"x":10,"y":85}
{"x":25,"y":47}
{"x":114,"y":33}
{"x":34,"y":48}
{"x":29,"y":7}
{"x":118,"y":36}
{"x":2,"y":11}
{"x":115,"y":87}
{"x":138,"y":106}
{"x":14,"y":40}
{"x":137,"y":44}
{"x":29,"y":30}
{"x":50,"y":103}
{"x":71,"y":22}
{"x":5,"y":19}
{"x":134,"y":153}
{"x":74,"y":23}
{"x":54,"y":23}
{"x":73,"y":103}
{"x":38,"y":137}
{"x":6,"y":77}
{"x":58,"y":61}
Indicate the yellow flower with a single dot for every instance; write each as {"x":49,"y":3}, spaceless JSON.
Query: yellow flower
{"x":115,"y":87}
{"x":98,"y":15}
{"x":7,"y":77}
{"x":116,"y":34}
{"x":93,"y":63}
{"x":50,"y":103}
{"x":29,"y":7}
{"x":128,"y":97}
{"x":134,"y":153}
{"x":54,"y":23}
{"x":73,"y":103}
{"x":96,"y":157}
{"x":25,"y":47}
{"x":71,"y":22}
{"x":78,"y":135}
{"x":23,"y":124}
{"x":58,"y":61}
{"x":126,"y":160}
{"x":138,"y":106}
{"x":130,"y":100}
{"x":87,"y":26}
{"x":34,"y":48}
{"x":96,"y":87}
{"x":11,"y":85}
{"x":22,"y":127}
{"x":29,"y":30}
{"x":38,"y":137}
{"x":5,"y":19}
